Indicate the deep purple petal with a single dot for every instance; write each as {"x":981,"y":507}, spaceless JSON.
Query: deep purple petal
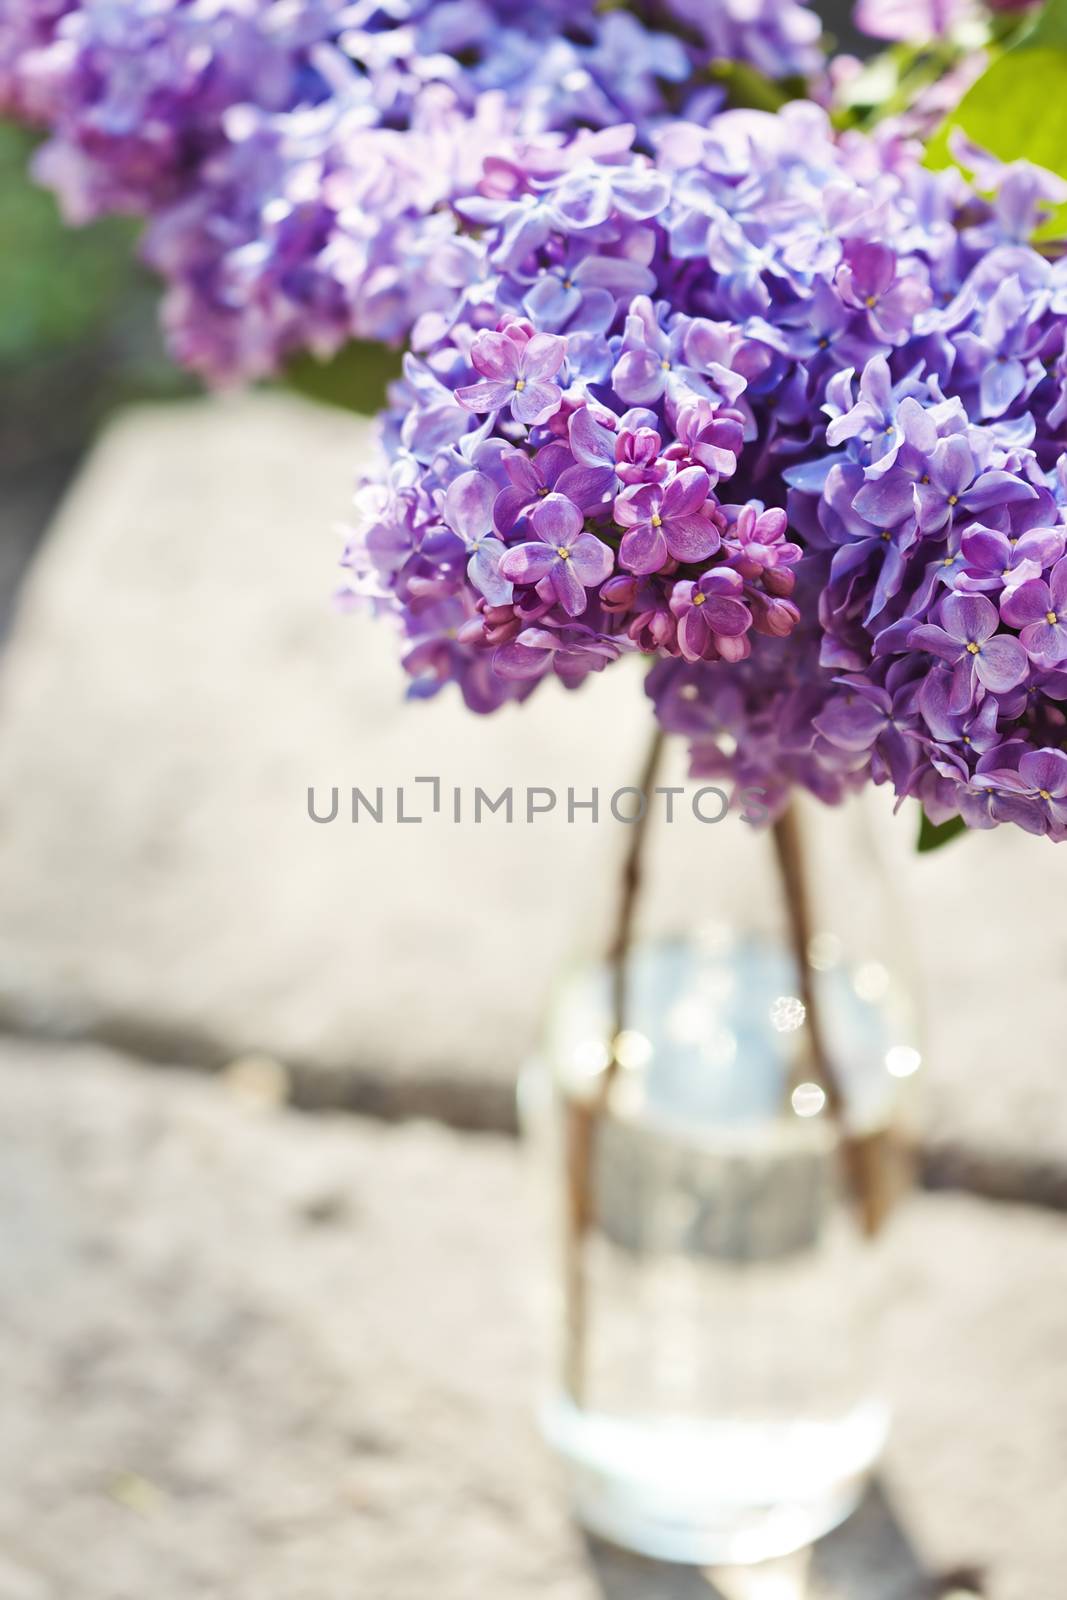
{"x":536,"y":403}
{"x":568,"y":587}
{"x":1001,"y":663}
{"x":886,"y":501}
{"x":926,"y":636}
{"x":997,"y":489}
{"x":496,"y":356}
{"x":469,"y":505}
{"x":542,"y":357}
{"x":693,"y":637}
{"x":691,"y":538}
{"x":528,"y":563}
{"x":1026,"y":814}
{"x":591,"y":559}
{"x":728,"y":617}
{"x":1029,"y":603}
{"x":934,"y":695}
{"x":850,"y":722}
{"x":636,"y":505}
{"x":484,"y":396}
{"x":556,"y":520}
{"x":509,"y":506}
{"x":686,"y":493}
{"x":1045,"y":643}
{"x":962,"y":685}
{"x":592,"y":443}
{"x":952,"y":466}
{"x":519,"y":466}
{"x":519,"y":661}
{"x":588,"y":487}
{"x":969,"y":618}
{"x":643,"y":549}
{"x":1045,"y":769}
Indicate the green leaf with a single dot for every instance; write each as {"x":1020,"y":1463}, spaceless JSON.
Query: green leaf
{"x":355,"y":379}
{"x":932,"y":835}
{"x":1017,"y":110}
{"x":1050,"y":28}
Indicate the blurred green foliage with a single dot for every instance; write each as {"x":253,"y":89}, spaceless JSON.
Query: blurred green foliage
{"x":78,"y":315}
{"x":58,"y":287}
{"x":1017,"y":109}
{"x":355,"y":378}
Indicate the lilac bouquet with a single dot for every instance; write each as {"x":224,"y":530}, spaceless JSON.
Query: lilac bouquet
{"x":708,"y":360}
{"x":781,"y":410}
{"x":295,"y":159}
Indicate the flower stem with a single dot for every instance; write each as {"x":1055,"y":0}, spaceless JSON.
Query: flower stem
{"x":871,"y":1160}
{"x":789,"y":854}
{"x":583,"y":1117}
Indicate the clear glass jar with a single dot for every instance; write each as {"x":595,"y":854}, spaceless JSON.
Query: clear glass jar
{"x":715,"y":1397}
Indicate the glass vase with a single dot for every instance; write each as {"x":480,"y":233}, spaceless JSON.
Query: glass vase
{"x":719,"y":1207}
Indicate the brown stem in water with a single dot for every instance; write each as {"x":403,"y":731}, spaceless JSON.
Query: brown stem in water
{"x":788,"y":849}
{"x":629,"y":891}
{"x":870,"y":1159}
{"x":583,"y":1117}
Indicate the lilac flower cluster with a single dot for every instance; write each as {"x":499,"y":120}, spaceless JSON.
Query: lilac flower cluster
{"x":774,"y":406}
{"x":918,"y":21}
{"x":585,"y":516}
{"x":934,"y":530}
{"x":867,"y":356}
{"x":947,"y":583}
{"x":938,"y":526}
{"x":294,"y":157}
{"x":25,"y":30}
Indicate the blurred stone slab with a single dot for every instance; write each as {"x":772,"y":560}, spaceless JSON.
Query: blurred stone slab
{"x":177,"y":680}
{"x":250,"y":1355}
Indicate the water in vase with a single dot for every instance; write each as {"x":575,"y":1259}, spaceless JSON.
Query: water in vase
{"x":724,"y":1405}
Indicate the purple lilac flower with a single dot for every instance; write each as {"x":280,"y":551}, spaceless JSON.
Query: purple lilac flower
{"x":25,"y":29}
{"x":602,"y":448}
{"x":965,"y":635}
{"x":689,"y":361}
{"x":468,"y":512}
{"x":990,"y":559}
{"x":779,"y":37}
{"x":562,"y":561}
{"x":872,"y":357}
{"x":919,"y":21}
{"x":1028,"y":787}
{"x":517,"y":365}
{"x":1039,"y":610}
{"x":869,"y":280}
{"x":712,"y":617}
{"x":881,"y":521}
{"x":531,"y":478}
{"x":572,"y":652}
{"x":969,"y":669}
{"x":293,"y":161}
{"x":915,"y":21}
{"x":663,"y":522}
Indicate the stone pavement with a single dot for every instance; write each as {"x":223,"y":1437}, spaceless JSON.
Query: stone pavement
{"x":175,"y":682}
{"x":253,"y":1355}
